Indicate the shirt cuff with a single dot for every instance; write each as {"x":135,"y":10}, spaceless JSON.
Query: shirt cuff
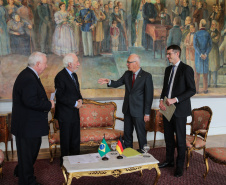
{"x":177,"y":99}
{"x":147,"y":114}
{"x":109,"y":83}
{"x":76,"y":103}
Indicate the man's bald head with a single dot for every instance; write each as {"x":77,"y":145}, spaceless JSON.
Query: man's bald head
{"x":133,"y":63}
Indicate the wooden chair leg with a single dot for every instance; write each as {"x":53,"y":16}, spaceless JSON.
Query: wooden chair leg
{"x":204,"y":154}
{"x":1,"y":171}
{"x":207,"y":167}
{"x":6,"y":150}
{"x":188,"y":157}
{"x":51,"y":153}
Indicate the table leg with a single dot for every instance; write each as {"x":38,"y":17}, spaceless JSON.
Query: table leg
{"x":158,"y":173}
{"x":154,"y":139}
{"x":141,"y":173}
{"x":64,"y":173}
{"x":69,"y":179}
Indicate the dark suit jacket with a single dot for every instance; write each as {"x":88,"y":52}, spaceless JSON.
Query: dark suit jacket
{"x":183,"y":88}
{"x":30,"y":106}
{"x":66,"y":96}
{"x":139,"y":98}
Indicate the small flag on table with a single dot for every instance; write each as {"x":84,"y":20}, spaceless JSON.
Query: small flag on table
{"x":120,"y":146}
{"x":103,"y":148}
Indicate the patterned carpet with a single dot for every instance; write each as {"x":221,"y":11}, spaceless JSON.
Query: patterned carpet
{"x":50,"y":174}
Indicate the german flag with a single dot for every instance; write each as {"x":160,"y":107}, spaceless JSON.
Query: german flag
{"x":120,"y":145}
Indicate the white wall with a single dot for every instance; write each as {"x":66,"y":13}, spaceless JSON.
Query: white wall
{"x":217,"y":126}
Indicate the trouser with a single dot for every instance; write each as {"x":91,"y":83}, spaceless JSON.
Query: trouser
{"x":129,"y":124}
{"x":177,"y":125}
{"x":87,"y":40}
{"x":69,"y":138}
{"x":27,"y":152}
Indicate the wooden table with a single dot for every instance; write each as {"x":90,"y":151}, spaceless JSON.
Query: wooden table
{"x":113,"y":166}
{"x":155,"y":124}
{"x":159,"y":33}
{"x":5,"y":127}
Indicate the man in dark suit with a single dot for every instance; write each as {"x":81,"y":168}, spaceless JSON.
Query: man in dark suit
{"x":178,"y":87}
{"x":30,"y":116}
{"x":68,"y":102}
{"x":137,"y":101}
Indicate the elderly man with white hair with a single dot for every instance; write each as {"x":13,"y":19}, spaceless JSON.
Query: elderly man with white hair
{"x":68,"y":102}
{"x":137,"y":101}
{"x":30,"y":116}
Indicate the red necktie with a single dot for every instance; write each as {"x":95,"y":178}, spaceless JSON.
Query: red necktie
{"x":133,"y":79}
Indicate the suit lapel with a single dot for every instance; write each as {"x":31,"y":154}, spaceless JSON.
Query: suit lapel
{"x":70,"y":79}
{"x":38,"y":79}
{"x":130,"y":80}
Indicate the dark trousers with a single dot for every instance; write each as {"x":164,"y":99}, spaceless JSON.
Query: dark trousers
{"x":129,"y":124}
{"x":69,"y":138}
{"x":177,"y":125}
{"x":27,"y":152}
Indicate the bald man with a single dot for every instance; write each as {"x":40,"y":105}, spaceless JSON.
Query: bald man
{"x":137,"y":101}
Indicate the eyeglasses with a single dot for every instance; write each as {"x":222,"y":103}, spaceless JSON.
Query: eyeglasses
{"x":128,"y":62}
{"x":169,"y":53}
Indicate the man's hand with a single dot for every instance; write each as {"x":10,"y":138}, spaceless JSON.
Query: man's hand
{"x":203,"y":56}
{"x":146,"y":118}
{"x":161,"y":105}
{"x":171,"y":101}
{"x":79,"y":105}
{"x":103,"y":81}
{"x":53,"y":104}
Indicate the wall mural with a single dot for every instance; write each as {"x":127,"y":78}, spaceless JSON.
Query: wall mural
{"x":104,"y":33}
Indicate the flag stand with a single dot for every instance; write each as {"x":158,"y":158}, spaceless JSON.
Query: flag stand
{"x":105,"y":158}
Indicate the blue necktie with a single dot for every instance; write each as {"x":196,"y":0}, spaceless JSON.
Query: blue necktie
{"x":73,"y":78}
{"x":170,"y":81}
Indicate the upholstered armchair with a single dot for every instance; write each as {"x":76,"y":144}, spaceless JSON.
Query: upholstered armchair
{"x":200,"y":123}
{"x":1,"y":162}
{"x":217,"y":155}
{"x":96,"y":120}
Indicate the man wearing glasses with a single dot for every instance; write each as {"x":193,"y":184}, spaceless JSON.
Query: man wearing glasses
{"x":137,"y":101}
{"x":178,"y":87}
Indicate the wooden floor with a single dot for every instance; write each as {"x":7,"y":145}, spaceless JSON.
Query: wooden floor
{"x":212,"y":141}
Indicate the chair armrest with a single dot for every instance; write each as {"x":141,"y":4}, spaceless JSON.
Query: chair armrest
{"x":121,"y":119}
{"x":203,"y":131}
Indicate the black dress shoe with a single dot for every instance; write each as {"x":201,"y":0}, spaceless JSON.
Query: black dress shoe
{"x":178,"y":173}
{"x":16,"y":173}
{"x":38,"y":183}
{"x":166,"y":164}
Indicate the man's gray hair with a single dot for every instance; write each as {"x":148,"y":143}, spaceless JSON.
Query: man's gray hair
{"x":136,"y":57}
{"x":68,"y":59}
{"x":35,"y":57}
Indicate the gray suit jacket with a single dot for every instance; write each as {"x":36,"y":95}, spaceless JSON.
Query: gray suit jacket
{"x":139,"y":98}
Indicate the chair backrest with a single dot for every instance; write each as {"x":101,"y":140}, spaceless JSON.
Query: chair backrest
{"x":201,"y":119}
{"x":96,"y":114}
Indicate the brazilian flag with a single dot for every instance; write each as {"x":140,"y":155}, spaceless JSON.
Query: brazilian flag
{"x":103,"y":148}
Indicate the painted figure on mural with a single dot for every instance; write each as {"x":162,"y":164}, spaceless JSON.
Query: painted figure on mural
{"x":198,"y":15}
{"x":175,"y":33}
{"x":116,"y":16}
{"x":110,"y":6}
{"x":212,"y":15}
{"x":149,"y":15}
{"x":222,"y":47}
{"x":45,"y":26}
{"x":106,"y":26}
{"x":214,"y":57}
{"x":98,"y":31}
{"x":11,"y":8}
{"x":87,"y":21}
{"x":63,"y":38}
{"x":19,"y":40}
{"x":193,"y":7}
{"x":202,"y":44}
{"x":185,"y":30}
{"x":160,"y":8}
{"x":4,"y":36}
{"x":25,"y":13}
{"x":139,"y":25}
{"x":190,"y":50}
{"x":166,"y":17}
{"x":114,"y":32}
{"x":185,"y":12}
{"x":175,"y":10}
